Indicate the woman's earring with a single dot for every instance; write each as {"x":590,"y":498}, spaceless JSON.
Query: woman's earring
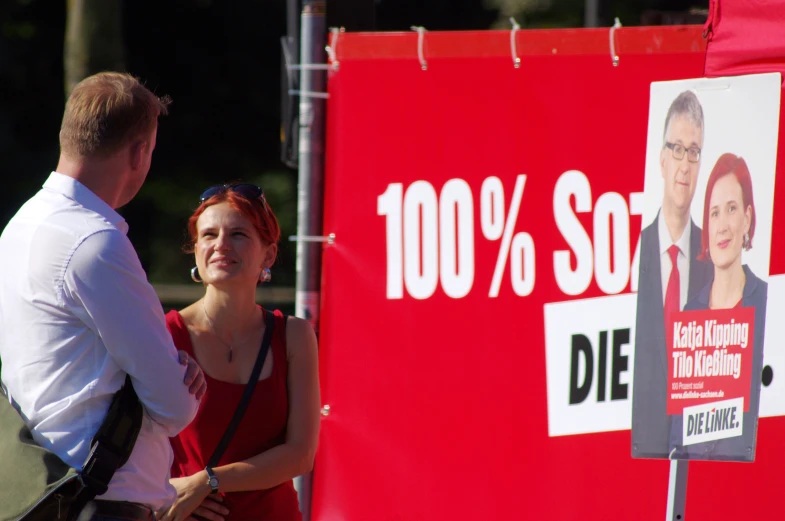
{"x":265,"y":275}
{"x":195,"y":274}
{"x":746,"y":244}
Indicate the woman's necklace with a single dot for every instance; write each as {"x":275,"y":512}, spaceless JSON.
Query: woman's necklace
{"x":212,"y":330}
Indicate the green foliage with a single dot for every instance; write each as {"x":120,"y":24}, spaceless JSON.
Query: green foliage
{"x":215,"y":60}
{"x":93,"y":40}
{"x":220,"y":62}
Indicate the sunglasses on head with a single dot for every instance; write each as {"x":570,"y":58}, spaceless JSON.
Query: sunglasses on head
{"x":248,"y":191}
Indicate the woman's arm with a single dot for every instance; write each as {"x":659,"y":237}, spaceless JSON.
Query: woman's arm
{"x":295,"y":456}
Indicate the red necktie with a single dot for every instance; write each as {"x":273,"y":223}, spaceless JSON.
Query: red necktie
{"x":674,"y":287}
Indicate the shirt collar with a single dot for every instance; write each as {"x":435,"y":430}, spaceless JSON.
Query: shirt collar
{"x":665,"y":237}
{"x":79,"y":193}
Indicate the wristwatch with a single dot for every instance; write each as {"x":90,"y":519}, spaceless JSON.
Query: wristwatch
{"x":212,"y":480}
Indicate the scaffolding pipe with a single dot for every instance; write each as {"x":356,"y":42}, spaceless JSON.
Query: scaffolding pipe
{"x":310,"y":190}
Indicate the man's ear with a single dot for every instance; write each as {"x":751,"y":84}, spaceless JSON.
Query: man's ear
{"x":662,"y":161}
{"x":137,"y":152}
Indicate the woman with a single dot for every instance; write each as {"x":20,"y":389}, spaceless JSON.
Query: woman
{"x":728,"y":228}
{"x":233,"y":236}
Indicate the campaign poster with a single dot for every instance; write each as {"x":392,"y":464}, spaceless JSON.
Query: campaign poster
{"x":704,"y":267}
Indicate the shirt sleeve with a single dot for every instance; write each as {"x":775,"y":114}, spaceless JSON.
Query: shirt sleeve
{"x":105,"y":285}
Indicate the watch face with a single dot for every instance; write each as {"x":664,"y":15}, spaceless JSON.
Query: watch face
{"x":213,"y":482}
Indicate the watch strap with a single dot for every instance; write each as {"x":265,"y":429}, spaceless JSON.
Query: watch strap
{"x":212,"y":480}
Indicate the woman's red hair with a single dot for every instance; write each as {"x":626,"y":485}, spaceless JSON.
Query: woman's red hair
{"x":727,"y":164}
{"x":257,"y":211}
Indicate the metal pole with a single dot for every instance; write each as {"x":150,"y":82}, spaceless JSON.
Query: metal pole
{"x":310,"y":190}
{"x":591,"y":13}
{"x":677,"y":490}
{"x":293,"y":19}
{"x":293,"y":26}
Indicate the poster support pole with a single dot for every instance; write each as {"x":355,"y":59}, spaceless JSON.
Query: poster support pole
{"x":310,"y":188}
{"x":677,"y":490}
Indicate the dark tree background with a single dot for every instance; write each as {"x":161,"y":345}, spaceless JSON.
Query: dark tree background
{"x":220,"y":62}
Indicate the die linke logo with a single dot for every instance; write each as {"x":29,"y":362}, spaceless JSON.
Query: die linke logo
{"x":713,"y":421}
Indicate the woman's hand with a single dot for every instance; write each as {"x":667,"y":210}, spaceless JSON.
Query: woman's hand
{"x":212,"y":508}
{"x":193,"y":497}
{"x":194,"y":376}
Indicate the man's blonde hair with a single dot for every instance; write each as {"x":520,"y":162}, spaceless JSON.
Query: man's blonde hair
{"x":107,"y":111}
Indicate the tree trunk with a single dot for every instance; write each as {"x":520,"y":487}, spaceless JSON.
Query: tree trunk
{"x":93,"y":39}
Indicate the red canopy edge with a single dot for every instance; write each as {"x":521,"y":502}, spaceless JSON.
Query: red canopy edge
{"x":745,"y":37}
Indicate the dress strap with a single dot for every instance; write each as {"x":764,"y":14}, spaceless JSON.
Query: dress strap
{"x":179,"y":332}
{"x":280,"y":363}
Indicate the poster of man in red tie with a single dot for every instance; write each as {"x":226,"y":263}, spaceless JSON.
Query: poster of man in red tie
{"x":703,"y":267}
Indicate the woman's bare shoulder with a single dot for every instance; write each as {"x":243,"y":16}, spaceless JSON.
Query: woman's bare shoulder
{"x":300,"y":337}
{"x":189,"y":314}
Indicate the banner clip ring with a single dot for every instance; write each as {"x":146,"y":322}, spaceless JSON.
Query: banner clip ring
{"x":331,"y":49}
{"x":614,"y":56}
{"x":516,"y":62}
{"x":420,"y":41}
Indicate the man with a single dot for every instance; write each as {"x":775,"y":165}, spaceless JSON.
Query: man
{"x":670,"y":274}
{"x":76,"y":310}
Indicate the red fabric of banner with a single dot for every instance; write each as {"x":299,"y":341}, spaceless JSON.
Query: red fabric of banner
{"x":438,"y":403}
{"x":439,"y":398}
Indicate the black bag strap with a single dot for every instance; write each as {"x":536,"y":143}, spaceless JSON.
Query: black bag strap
{"x":269,"y":326}
{"x":113,"y":443}
{"x":111,"y":446}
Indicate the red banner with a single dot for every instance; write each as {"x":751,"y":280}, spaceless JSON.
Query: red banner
{"x":478,"y":302}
